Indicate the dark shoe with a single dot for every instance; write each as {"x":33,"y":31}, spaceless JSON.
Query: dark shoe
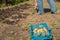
{"x":41,"y":13}
{"x":53,"y":12}
{"x":58,"y":11}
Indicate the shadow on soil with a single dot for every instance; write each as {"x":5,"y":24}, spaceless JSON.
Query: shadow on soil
{"x":45,"y":10}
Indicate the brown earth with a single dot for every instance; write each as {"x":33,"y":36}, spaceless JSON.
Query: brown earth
{"x":16,"y":26}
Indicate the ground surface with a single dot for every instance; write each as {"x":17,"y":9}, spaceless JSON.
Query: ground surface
{"x":18,"y":29}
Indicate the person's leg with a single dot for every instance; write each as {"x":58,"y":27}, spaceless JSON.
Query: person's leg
{"x":52,"y":5}
{"x":40,"y":6}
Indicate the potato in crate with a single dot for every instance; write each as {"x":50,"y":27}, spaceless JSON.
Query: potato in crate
{"x":40,"y":32}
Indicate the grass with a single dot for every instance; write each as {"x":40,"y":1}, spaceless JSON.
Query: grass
{"x":9,"y":38}
{"x":27,"y":26}
{"x":29,"y":38}
{"x":12,"y":32}
{"x":31,"y":14}
{"x":57,"y":26}
{"x":12,"y":3}
{"x":2,"y":5}
{"x":31,"y":0}
{"x":58,"y":19}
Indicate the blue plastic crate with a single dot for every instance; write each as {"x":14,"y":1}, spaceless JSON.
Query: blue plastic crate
{"x":40,"y":32}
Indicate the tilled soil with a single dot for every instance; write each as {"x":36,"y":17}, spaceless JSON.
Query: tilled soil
{"x":16,"y":27}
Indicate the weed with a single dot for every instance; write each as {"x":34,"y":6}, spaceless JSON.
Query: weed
{"x":9,"y":38}
{"x":58,"y":19}
{"x":29,"y":38}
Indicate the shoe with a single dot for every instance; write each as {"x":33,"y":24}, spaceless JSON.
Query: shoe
{"x":41,"y":13}
{"x":53,"y":12}
{"x":58,"y":11}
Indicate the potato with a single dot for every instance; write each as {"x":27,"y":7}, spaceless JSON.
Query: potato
{"x":46,"y":32}
{"x":42,"y":31}
{"x":35,"y":30}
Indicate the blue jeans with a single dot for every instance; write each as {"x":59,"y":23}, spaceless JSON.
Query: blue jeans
{"x":51,"y":3}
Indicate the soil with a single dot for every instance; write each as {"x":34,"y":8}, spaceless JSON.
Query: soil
{"x":16,"y":27}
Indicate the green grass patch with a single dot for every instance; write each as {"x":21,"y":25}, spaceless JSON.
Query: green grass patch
{"x":31,"y":0}
{"x":31,"y":14}
{"x":27,"y":26}
{"x":58,"y":19}
{"x":57,"y":26}
{"x":9,"y":38}
{"x":29,"y":38}
{"x":2,"y":5}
